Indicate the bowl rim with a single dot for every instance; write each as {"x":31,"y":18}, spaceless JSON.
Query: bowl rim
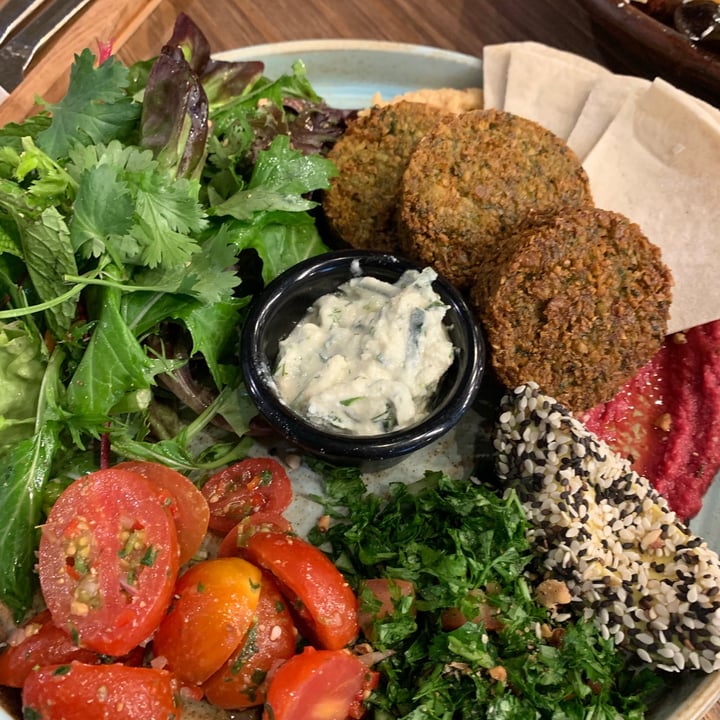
{"x":294,"y":427}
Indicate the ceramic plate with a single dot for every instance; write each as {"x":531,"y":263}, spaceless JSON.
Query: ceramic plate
{"x":348,"y":73}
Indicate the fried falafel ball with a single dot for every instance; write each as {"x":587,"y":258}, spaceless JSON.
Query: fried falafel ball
{"x":475,"y":178}
{"x":371,"y":156}
{"x":577,"y":304}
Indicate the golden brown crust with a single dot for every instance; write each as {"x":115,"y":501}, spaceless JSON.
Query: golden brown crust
{"x":577,"y":305}
{"x":371,"y":157}
{"x":477,"y":177}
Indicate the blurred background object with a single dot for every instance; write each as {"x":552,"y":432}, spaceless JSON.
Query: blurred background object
{"x":642,"y":38}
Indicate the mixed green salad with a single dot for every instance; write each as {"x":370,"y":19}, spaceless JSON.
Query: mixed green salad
{"x":137,"y":217}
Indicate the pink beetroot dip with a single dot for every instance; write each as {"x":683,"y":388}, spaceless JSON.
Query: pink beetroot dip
{"x":667,"y":418}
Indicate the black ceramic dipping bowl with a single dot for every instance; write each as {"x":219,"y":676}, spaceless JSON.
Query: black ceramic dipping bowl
{"x":274,"y":312}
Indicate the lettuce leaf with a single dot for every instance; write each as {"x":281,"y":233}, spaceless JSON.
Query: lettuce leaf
{"x":22,"y":365}
{"x":113,"y":365}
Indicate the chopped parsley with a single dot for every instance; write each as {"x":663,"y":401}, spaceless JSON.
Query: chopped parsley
{"x":148,"y":559}
{"x":465,"y":547}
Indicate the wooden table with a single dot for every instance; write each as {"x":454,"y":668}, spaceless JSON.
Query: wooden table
{"x":139,"y":28}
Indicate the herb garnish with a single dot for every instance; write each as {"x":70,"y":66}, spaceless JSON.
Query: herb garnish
{"x":457,"y":540}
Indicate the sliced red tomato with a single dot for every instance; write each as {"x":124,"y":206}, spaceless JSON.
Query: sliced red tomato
{"x":213,"y":609}
{"x":43,"y":643}
{"x":383,"y":597}
{"x":233,"y":544}
{"x":108,"y":560}
{"x":319,"y":685}
{"x":243,"y":680}
{"x":98,"y":692}
{"x":324,"y":603}
{"x":248,"y":486}
{"x":187,"y":504}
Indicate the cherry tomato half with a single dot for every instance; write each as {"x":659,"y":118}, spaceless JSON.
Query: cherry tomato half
{"x":320,"y":596}
{"x":214,"y":606}
{"x":108,"y":560}
{"x":243,"y":680}
{"x":187,"y":504}
{"x":248,"y":486}
{"x":98,"y":692}
{"x":319,"y":685}
{"x":44,"y":643}
{"x":233,"y":544}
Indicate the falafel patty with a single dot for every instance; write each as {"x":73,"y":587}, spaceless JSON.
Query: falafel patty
{"x":475,"y":178}
{"x":577,"y":304}
{"x":371,"y":156}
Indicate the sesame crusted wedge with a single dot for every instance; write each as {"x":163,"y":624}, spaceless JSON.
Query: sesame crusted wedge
{"x":629,"y":563}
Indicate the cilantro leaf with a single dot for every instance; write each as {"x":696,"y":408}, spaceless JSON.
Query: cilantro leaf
{"x":96,"y":108}
{"x":102,"y":215}
{"x":210,"y":269}
{"x":207,"y":275}
{"x":166,"y":212}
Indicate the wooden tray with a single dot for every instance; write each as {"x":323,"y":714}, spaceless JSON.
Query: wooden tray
{"x":101,"y":21}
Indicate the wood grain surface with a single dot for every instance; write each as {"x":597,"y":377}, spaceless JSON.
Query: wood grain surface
{"x":140,"y":27}
{"x":101,"y":21}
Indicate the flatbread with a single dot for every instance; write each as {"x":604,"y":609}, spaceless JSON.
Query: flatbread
{"x":657,"y":163}
{"x":496,"y":59}
{"x":549,"y":86}
{"x":606,"y":98}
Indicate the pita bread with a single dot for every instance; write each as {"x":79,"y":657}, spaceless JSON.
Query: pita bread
{"x":549,"y":86}
{"x":657,"y":163}
{"x":604,"y":101}
{"x":496,"y":59}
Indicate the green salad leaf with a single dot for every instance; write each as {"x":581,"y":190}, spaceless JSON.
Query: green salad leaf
{"x":25,"y":471}
{"x":96,"y":107}
{"x":22,"y":365}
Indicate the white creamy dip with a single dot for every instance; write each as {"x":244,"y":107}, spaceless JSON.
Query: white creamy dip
{"x":367,"y":358}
